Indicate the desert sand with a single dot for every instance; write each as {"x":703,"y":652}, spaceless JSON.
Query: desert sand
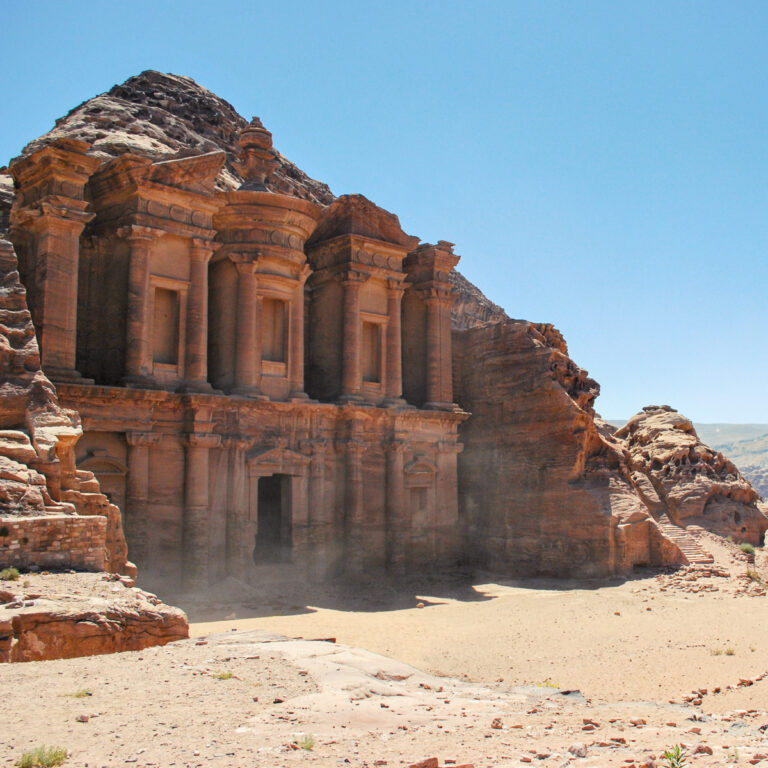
{"x":486,"y":672}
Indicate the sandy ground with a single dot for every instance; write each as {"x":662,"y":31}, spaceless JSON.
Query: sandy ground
{"x":237,"y":694}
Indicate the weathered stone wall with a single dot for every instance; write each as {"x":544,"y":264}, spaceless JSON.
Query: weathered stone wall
{"x":54,"y":542}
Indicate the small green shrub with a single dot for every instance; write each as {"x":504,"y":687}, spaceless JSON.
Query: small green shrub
{"x":223,"y":675}
{"x":307,"y":742}
{"x":10,"y":574}
{"x":754,"y":575}
{"x":42,"y":757}
{"x":730,"y":652}
{"x":747,"y":548}
{"x":81,"y":694}
{"x":715,"y":652}
{"x":675,"y":757}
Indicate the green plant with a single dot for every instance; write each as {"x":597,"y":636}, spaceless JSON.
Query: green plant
{"x":754,"y":575}
{"x":747,"y":548}
{"x":81,"y":694}
{"x":307,"y":741}
{"x":10,"y":574}
{"x":42,"y":757}
{"x":223,"y":675}
{"x":675,"y":757}
{"x":730,"y":652}
{"x":715,"y":652}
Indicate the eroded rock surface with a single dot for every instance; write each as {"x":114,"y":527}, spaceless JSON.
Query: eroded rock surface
{"x":692,"y":482}
{"x":544,"y":486}
{"x":155,"y":114}
{"x":62,"y":616}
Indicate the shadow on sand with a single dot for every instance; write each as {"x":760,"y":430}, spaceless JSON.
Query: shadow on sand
{"x":282,"y":590}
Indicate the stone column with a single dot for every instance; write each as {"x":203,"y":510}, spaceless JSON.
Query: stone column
{"x":196,"y":507}
{"x":138,"y":325}
{"x":49,"y":214}
{"x":196,"y":359}
{"x":351,"y":372}
{"x":248,"y":338}
{"x":56,"y":243}
{"x":397,"y":517}
{"x":296,"y":352}
{"x":238,"y":539}
{"x":317,"y":517}
{"x":354,"y":502}
{"x":439,"y":371}
{"x":136,"y":513}
{"x":394,"y":383}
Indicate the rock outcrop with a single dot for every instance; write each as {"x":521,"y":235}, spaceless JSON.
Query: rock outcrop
{"x":155,"y":115}
{"x":678,"y":474}
{"x":544,"y":487}
{"x":62,"y":616}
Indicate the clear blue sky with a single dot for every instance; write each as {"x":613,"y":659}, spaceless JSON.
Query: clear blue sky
{"x":599,"y":165}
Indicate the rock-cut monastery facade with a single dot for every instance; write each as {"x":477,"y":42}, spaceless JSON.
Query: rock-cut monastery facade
{"x":261,"y":379}
{"x":267,"y":376}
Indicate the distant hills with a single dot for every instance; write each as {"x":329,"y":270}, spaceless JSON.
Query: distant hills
{"x":746,"y":445}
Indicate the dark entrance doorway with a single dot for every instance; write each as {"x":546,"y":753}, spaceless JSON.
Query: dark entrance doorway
{"x":273,"y":540}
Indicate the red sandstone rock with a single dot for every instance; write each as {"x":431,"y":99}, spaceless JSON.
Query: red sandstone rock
{"x":691,"y":482}
{"x":561,"y":501}
{"x":83,"y":615}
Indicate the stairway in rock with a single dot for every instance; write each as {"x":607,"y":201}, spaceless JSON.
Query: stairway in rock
{"x":693,"y":552}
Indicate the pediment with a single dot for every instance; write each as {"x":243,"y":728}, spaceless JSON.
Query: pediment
{"x":278,"y":460}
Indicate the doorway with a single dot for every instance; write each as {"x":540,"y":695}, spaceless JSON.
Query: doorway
{"x":273,"y":540}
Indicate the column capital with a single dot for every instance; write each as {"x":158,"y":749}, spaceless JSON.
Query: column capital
{"x":137,"y":233}
{"x":141,"y":438}
{"x":237,"y":443}
{"x":395,"y":287}
{"x":440,"y":293}
{"x":449,"y":446}
{"x":203,"y":250}
{"x":245,"y":263}
{"x":396,"y":446}
{"x":353,"y":278}
{"x":201,"y":440}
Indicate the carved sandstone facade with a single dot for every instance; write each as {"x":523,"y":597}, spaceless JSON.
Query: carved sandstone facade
{"x":260,"y":379}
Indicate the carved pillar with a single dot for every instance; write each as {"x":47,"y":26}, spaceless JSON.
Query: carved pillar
{"x":239,"y":540}
{"x":296,"y":352}
{"x":397,"y":518}
{"x":136,"y":517}
{"x":354,"y":503}
{"x":318,"y":521}
{"x":57,"y":247}
{"x":196,"y":360}
{"x":351,"y":372}
{"x":196,"y":506}
{"x":394,"y":383}
{"x":138,"y":325}
{"x":439,"y":372}
{"x":248,"y":339}
{"x":49,"y":214}
{"x":448,"y":536}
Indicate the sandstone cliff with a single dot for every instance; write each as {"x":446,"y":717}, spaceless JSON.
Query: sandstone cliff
{"x":544,"y":487}
{"x":676,"y":473}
